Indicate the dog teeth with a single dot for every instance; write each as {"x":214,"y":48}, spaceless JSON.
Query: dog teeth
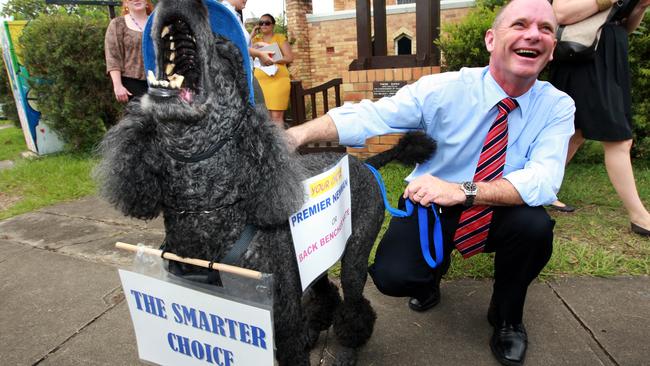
{"x":164,"y":32}
{"x":175,"y":81}
{"x":169,"y":69}
{"x":172,"y":56}
{"x":172,"y":46}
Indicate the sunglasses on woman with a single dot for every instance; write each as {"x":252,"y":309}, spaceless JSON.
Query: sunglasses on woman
{"x":261,"y":23}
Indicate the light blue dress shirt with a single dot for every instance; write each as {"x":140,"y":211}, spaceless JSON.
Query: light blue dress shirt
{"x":457,"y":109}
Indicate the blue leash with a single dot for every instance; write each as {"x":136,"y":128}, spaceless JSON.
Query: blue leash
{"x":422,"y":221}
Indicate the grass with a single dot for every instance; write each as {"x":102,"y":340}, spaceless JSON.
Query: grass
{"x":594,"y":241}
{"x":12,"y":142}
{"x":43,"y":181}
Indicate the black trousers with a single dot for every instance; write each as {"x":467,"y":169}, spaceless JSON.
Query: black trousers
{"x":520,"y":236}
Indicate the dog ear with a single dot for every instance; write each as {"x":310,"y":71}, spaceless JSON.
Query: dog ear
{"x":127,"y":173}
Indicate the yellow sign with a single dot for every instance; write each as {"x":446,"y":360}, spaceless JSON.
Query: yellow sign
{"x":323,"y":185}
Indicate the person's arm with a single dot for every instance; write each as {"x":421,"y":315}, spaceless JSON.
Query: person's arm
{"x":573,"y":11}
{"x":535,"y":183}
{"x":427,"y":189}
{"x":266,"y":57}
{"x":636,"y":17}
{"x":113,"y":52}
{"x":319,"y":129}
{"x":540,"y":178}
{"x":254,"y":31}
{"x":352,"y":124}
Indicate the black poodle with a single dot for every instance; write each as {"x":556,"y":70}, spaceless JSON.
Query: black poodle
{"x":196,"y":150}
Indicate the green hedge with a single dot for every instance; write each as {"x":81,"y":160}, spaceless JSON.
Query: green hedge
{"x":640,"y":65}
{"x":65,"y":56}
{"x":7,"y":98}
{"x":462,"y":45}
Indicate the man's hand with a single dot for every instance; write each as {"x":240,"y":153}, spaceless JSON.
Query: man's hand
{"x":428,"y":189}
{"x":319,"y":129}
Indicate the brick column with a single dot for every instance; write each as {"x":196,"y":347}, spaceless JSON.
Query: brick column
{"x":298,"y":34}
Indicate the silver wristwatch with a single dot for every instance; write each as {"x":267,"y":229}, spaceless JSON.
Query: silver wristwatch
{"x":470,"y":189}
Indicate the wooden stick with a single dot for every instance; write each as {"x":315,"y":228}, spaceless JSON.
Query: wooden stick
{"x":197,"y":262}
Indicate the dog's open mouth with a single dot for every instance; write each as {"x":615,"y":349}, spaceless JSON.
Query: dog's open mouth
{"x":178,"y":59}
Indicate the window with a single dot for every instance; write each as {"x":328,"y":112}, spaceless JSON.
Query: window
{"x":403,"y":45}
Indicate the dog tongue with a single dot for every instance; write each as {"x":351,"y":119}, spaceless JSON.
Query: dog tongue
{"x":186,"y":95}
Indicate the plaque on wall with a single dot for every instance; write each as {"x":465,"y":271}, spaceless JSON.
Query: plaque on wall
{"x":382,"y":89}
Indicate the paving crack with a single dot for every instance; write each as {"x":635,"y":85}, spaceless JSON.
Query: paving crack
{"x":109,"y":222}
{"x":112,"y":299}
{"x":583,"y":325}
{"x":92,"y":240}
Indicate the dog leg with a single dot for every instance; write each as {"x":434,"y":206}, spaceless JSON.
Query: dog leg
{"x":319,"y":306}
{"x":288,"y":318}
{"x":354,"y":319}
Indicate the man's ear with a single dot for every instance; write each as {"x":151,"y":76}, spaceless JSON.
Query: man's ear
{"x":489,"y":40}
{"x":550,"y":57}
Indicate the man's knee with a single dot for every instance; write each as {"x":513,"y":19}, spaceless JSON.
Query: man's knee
{"x":532,"y":227}
{"x":388,"y":279}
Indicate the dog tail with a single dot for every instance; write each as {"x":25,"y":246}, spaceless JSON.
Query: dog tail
{"x":414,"y":147}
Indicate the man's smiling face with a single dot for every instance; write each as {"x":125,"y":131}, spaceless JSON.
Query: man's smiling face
{"x":521,"y":42}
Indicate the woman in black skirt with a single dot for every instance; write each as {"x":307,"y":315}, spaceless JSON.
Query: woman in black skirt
{"x":601,"y":91}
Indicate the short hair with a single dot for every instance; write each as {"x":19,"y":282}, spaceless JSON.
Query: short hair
{"x":270,"y":16}
{"x":499,"y":17}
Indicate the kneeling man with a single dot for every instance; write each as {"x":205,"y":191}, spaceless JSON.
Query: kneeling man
{"x":502,"y":142}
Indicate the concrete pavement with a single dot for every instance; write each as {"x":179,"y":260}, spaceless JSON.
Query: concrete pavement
{"x":61,"y":303}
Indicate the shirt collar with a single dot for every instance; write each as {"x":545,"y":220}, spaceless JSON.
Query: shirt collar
{"x":494,"y":93}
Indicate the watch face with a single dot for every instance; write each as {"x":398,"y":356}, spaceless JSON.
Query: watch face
{"x":469,"y":187}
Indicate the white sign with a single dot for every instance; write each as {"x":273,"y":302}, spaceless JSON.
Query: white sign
{"x":175,"y":325}
{"x":323,"y":225}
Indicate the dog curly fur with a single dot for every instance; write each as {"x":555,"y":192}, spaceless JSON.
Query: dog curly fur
{"x":252,"y":179}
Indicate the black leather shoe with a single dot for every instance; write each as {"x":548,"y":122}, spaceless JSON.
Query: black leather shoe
{"x":509,"y":343}
{"x":566,"y":208}
{"x":639,"y":230}
{"x":427,"y":303}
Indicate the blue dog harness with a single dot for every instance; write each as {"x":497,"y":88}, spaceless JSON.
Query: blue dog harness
{"x":422,"y":222}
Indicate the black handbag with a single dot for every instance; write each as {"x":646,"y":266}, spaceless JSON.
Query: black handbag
{"x":578,"y":41}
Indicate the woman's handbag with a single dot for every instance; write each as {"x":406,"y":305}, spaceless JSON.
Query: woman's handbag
{"x":578,"y":41}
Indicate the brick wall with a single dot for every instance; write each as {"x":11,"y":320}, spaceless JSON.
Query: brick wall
{"x":333,"y":42}
{"x":298,"y":36}
{"x":351,"y":4}
{"x":358,"y":85}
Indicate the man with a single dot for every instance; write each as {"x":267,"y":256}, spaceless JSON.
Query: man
{"x":501,"y":132}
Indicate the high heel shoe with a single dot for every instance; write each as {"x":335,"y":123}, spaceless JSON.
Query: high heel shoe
{"x":639,"y":230}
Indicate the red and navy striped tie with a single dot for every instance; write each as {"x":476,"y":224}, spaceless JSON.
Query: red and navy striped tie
{"x":474,"y":222}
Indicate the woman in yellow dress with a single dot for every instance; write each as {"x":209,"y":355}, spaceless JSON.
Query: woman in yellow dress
{"x":275,"y":87}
